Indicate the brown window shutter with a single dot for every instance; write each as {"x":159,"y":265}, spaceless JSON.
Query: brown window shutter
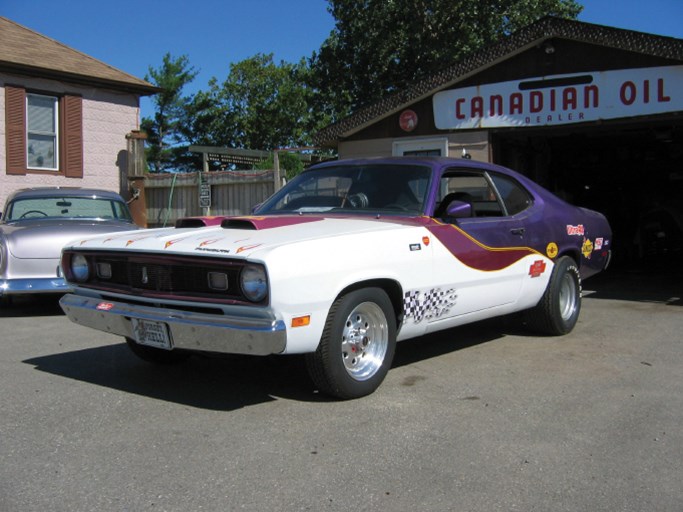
{"x":72,"y":136}
{"x":15,"y":126}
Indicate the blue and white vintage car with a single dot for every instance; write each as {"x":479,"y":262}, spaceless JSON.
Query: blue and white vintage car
{"x":340,"y":264}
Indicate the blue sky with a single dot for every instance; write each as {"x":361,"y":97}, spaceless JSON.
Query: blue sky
{"x":132,"y":35}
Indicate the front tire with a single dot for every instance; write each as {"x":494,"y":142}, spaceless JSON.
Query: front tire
{"x":558,"y":310}
{"x":357,"y":346}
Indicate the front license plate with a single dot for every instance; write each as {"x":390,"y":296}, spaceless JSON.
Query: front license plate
{"x":152,"y":334}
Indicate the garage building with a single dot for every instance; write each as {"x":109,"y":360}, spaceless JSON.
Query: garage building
{"x":593,"y":113}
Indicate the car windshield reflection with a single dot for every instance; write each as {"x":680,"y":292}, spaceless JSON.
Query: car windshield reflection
{"x":370,"y":189}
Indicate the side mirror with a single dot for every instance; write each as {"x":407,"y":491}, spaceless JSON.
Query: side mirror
{"x":459,"y":210}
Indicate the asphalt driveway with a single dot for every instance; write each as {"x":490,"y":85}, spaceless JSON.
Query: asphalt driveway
{"x":480,"y":418}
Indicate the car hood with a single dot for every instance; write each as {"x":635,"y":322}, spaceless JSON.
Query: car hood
{"x":45,"y":239}
{"x":247,"y":236}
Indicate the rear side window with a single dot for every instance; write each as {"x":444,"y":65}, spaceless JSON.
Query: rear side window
{"x":514,"y":196}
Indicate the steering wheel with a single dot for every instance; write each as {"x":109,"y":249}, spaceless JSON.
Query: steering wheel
{"x":33,"y":211}
{"x":359,"y":200}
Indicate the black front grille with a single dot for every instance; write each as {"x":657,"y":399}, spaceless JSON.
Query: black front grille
{"x":171,"y":277}
{"x":154,"y":277}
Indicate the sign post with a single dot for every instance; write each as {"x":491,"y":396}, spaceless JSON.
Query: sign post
{"x":204,"y":194}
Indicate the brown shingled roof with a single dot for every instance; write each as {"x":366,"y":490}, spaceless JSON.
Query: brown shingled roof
{"x":27,"y":52}
{"x":527,"y":37}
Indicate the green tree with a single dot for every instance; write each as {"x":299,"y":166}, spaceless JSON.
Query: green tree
{"x":290,"y":164}
{"x":166,"y":133}
{"x":264,"y":105}
{"x":207,"y":120}
{"x":379,"y":46}
{"x":260,"y":105}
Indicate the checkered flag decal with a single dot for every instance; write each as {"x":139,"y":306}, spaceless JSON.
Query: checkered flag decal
{"x":432,"y":304}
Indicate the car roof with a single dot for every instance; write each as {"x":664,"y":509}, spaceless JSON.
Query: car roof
{"x":63,"y":192}
{"x":435,"y":162}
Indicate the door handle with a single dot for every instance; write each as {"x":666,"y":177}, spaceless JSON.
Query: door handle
{"x":517,"y":231}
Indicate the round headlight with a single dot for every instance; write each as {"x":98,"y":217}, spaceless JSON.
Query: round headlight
{"x":79,"y":268}
{"x":254,"y":283}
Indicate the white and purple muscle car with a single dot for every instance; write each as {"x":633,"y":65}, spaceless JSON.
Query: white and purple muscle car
{"x":340,"y":264}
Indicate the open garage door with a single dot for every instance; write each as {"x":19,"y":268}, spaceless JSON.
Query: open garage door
{"x":632,"y":173}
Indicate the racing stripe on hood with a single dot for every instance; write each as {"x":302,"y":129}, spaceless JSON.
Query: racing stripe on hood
{"x":473,"y":253}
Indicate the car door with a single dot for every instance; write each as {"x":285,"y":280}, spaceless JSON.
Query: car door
{"x":485,"y":249}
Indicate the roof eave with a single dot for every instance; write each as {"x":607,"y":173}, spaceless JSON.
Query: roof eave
{"x":141,"y":89}
{"x":419,"y":97}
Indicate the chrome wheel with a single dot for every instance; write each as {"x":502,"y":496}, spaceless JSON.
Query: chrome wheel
{"x":568,"y":297}
{"x":558,"y":310}
{"x":357,"y":344}
{"x":364,"y":341}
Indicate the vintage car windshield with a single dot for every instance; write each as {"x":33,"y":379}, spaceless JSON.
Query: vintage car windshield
{"x":66,"y":207}
{"x":372,"y":188}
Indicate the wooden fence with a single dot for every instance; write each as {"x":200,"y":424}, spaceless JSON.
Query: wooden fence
{"x":172,"y":196}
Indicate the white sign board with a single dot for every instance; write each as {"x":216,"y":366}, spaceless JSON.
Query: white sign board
{"x":204,"y":193}
{"x":562,"y":99}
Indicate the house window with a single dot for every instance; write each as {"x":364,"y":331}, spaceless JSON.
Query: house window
{"x":44,"y":133}
{"x":41,"y":132}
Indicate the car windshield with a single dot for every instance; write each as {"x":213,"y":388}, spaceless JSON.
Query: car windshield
{"x":66,"y":207}
{"x":373,"y":188}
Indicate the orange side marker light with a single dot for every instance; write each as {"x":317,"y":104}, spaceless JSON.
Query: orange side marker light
{"x":301,"y":321}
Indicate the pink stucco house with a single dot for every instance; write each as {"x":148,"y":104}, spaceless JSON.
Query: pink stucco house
{"x":64,"y":116}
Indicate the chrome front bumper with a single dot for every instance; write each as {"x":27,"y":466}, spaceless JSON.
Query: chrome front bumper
{"x":227,"y":334}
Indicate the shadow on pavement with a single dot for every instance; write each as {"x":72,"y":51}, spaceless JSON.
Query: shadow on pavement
{"x":228,"y":383}
{"x":30,"y":305}
{"x":458,"y":338}
{"x":637,"y":285}
{"x":223,"y":384}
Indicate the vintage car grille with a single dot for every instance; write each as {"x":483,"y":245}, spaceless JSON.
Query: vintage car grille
{"x":170,"y":277}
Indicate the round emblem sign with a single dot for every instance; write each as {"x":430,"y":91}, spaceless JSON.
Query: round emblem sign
{"x":408,"y":120}
{"x":551,"y":250}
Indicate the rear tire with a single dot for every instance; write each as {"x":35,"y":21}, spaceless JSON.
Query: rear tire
{"x":558,"y":310}
{"x":157,"y":355}
{"x":357,"y":345}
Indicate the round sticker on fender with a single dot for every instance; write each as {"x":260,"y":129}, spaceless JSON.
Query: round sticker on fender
{"x":551,"y":250}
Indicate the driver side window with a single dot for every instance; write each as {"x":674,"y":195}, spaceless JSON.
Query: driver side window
{"x":470,"y":187}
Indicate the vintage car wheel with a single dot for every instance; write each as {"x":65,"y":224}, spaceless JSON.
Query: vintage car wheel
{"x":157,"y":355}
{"x":558,"y":310}
{"x":357,"y":345}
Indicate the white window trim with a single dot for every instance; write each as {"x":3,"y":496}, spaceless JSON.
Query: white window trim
{"x":56,"y":133}
{"x":402,"y":146}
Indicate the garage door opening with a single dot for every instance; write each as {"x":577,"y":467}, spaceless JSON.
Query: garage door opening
{"x":633,"y":174}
